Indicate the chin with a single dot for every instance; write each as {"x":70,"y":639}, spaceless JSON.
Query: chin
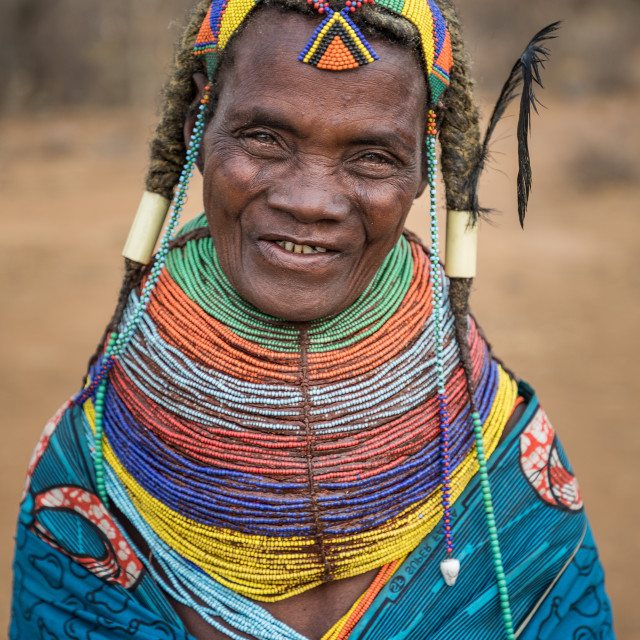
{"x":296,"y":304}
{"x":302,"y":310}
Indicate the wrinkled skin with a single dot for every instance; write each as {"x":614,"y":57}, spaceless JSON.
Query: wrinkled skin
{"x":313,"y":157}
{"x":319,"y":158}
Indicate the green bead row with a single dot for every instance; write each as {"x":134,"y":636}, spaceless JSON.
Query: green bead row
{"x":196,"y":269}
{"x":393,"y":5}
{"x":493,"y":529}
{"x":98,"y":437}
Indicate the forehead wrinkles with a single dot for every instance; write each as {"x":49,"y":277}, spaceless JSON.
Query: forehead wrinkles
{"x":264,"y":69}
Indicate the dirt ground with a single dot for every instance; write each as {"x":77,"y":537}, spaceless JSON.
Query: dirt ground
{"x":560,"y":302}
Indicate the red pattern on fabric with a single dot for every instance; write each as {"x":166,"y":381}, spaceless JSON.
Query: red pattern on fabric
{"x":43,"y":443}
{"x":543,"y":467}
{"x":120,"y":563}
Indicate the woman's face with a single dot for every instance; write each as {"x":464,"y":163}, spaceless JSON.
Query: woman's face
{"x":309,"y":174}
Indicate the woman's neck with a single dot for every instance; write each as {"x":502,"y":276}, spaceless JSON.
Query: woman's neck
{"x":196,"y":270}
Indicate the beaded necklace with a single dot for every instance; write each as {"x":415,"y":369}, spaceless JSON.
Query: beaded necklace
{"x":252,"y":515}
{"x":210,"y":290}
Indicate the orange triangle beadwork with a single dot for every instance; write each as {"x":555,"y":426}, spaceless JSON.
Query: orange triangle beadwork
{"x":337,"y":43}
{"x":337,"y":56}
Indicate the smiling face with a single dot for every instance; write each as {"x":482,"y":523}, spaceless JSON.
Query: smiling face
{"x":309,"y":174}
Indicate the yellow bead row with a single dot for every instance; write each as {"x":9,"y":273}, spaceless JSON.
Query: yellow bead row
{"x":418,"y":12}
{"x":270,"y":569}
{"x":235,"y":12}
{"x":356,"y":39}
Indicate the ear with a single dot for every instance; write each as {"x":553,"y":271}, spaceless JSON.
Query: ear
{"x":200,"y":80}
{"x":424,"y":178}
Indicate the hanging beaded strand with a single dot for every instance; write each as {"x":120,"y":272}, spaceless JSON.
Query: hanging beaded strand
{"x":98,"y":441}
{"x":449,"y":566}
{"x":487,"y":501}
{"x":118,"y":342}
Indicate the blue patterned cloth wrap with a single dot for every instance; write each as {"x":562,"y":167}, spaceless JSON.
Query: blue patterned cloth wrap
{"x":65,"y":588}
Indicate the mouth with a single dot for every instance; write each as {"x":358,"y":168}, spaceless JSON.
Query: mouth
{"x":312,"y":256}
{"x":292,"y":247}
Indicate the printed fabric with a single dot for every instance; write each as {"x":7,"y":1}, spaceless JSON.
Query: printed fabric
{"x":78,"y":576}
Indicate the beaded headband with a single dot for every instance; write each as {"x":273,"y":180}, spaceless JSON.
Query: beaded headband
{"x":337,"y":43}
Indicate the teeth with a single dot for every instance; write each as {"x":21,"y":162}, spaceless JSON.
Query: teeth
{"x":299,"y":248}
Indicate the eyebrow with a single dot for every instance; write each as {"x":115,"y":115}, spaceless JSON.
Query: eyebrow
{"x":260,"y":115}
{"x":385,"y":138}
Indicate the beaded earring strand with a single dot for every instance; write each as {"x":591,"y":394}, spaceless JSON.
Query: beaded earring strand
{"x":450,"y":566}
{"x":118,"y":341}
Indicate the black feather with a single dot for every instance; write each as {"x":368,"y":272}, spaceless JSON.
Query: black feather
{"x":532,"y":60}
{"x":525,"y":71}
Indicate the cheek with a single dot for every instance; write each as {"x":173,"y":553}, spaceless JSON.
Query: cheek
{"x":228,"y":184}
{"x":386,"y":206}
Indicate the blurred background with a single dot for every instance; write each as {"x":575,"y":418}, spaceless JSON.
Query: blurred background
{"x":79,"y":94}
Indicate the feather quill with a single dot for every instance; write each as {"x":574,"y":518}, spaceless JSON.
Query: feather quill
{"x":525,"y":72}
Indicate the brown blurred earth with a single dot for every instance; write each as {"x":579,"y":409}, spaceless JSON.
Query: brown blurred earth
{"x":560,"y":302}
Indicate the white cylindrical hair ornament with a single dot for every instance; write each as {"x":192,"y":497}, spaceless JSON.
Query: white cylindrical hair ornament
{"x":146,"y":227}
{"x":461,"y":253}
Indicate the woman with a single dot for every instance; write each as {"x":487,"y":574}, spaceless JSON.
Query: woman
{"x":292,"y":428}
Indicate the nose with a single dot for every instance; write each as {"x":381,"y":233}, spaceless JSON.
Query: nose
{"x":310,"y":194}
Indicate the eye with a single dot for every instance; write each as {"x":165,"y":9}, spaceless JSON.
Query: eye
{"x":261,"y":136}
{"x":375,"y":164}
{"x":264,"y":144}
{"x":255,"y":136}
{"x":377,"y":158}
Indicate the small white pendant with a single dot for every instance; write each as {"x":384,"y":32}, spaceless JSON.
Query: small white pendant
{"x":450,"y":569}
